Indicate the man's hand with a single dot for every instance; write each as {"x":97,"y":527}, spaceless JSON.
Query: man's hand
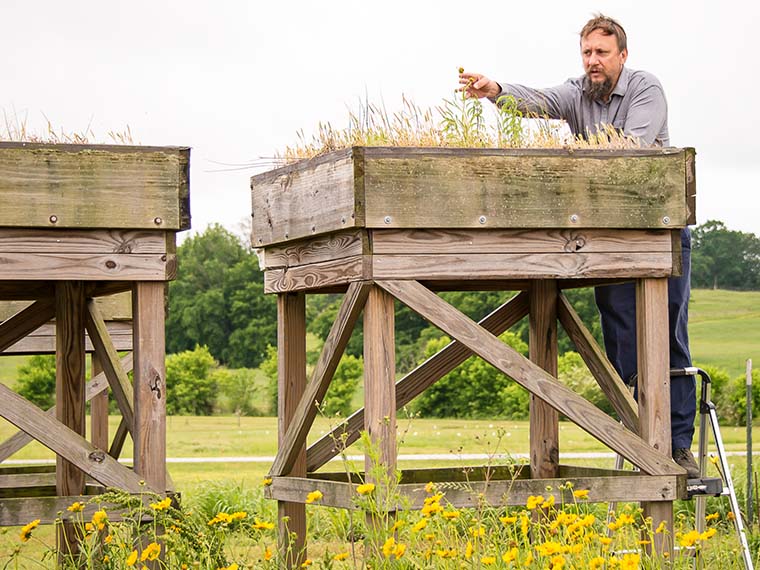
{"x":478,"y":86}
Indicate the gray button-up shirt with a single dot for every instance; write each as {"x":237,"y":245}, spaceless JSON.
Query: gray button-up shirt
{"x":636,"y":106}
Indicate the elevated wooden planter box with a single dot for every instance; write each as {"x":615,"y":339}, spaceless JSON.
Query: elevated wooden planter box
{"x":78,"y":224}
{"x":398,"y":224}
{"x":475,"y":214}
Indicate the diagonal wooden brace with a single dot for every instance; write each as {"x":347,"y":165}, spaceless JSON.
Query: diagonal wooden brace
{"x":335,"y":344}
{"x":587,"y":416}
{"x":418,"y":380}
{"x":26,"y":321}
{"x":66,"y":443}
{"x":94,"y":387}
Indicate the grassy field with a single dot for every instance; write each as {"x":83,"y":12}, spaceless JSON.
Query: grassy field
{"x":724,"y":328}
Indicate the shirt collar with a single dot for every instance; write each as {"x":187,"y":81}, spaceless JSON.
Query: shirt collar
{"x":622,"y":83}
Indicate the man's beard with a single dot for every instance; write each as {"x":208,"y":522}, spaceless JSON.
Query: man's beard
{"x":598,"y":91}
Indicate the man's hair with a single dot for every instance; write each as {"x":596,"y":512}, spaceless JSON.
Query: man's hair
{"x":609,"y":27}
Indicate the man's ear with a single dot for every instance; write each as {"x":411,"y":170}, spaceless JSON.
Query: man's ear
{"x":624,"y":54}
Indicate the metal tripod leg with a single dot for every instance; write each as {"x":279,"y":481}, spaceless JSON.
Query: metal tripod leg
{"x":707,"y":412}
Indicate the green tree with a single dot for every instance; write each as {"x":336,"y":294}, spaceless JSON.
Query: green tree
{"x":725,"y":259}
{"x":36,"y":380}
{"x":218,"y":300}
{"x":190,"y":384}
{"x":474,"y":389}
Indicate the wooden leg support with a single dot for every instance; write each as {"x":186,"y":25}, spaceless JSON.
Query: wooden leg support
{"x":544,"y":419}
{"x":69,"y":393}
{"x":98,"y":410}
{"x":654,"y":389}
{"x":291,"y":384}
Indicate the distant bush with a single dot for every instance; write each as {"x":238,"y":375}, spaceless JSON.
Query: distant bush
{"x":36,"y":380}
{"x":191,"y":382}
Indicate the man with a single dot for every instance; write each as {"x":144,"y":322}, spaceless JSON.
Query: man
{"x":632,"y":102}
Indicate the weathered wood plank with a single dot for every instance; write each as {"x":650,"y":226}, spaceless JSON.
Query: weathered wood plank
{"x":85,"y":266}
{"x":522,"y":266}
{"x":691,"y":186}
{"x":432,"y":189}
{"x":42,"y":340}
{"x":469,"y":241}
{"x":379,"y":379}
{"x":599,"y":365}
{"x":291,"y":384}
{"x":313,"y":197}
{"x":97,"y":385}
{"x":119,"y":438}
{"x":17,"y":512}
{"x":653,"y":357}
{"x":543,"y":352}
{"x":317,"y":275}
{"x":94,"y":186}
{"x":537,"y":381}
{"x":470,"y":188}
{"x":335,"y":343}
{"x":495,"y":493}
{"x":338,"y":245}
{"x":149,"y":400}
{"x":26,"y":321}
{"x":65,"y":442}
{"x":417,"y":380}
{"x":63,"y":241}
{"x":108,"y":357}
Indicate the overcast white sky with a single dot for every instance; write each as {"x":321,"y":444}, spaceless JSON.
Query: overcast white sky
{"x":235,"y":80}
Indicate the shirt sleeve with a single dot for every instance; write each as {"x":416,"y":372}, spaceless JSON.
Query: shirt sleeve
{"x":552,"y":102}
{"x":647,"y":115}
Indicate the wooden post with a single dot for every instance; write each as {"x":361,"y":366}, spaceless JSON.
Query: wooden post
{"x":149,"y":430}
{"x":291,"y":384}
{"x":380,"y":377}
{"x":544,"y":420}
{"x":653,"y":342}
{"x":98,"y":409}
{"x":69,"y":393}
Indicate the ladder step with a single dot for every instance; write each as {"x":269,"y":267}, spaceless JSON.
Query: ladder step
{"x":706,"y":486}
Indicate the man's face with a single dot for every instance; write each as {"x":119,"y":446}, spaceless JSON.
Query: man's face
{"x":602,"y":62}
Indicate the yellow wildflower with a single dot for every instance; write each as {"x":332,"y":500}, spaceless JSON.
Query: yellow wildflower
{"x":75,"y":507}
{"x":161,"y":505}
{"x":132,"y":558}
{"x":431,"y":509}
{"x":99,"y":519}
{"x":238,"y":516}
{"x":730,"y":516}
{"x":468,"y":550}
{"x":389,"y":547}
{"x":268,"y":553}
{"x":365,"y":489}
{"x":629,"y":562}
{"x":420,"y":525}
{"x":108,"y":539}
{"x":508,"y":520}
{"x":605,"y":540}
{"x":712,"y":517}
{"x":220,"y":517}
{"x":340,"y":556}
{"x":549,"y":548}
{"x":446,"y":553}
{"x":150,"y":552}
{"x":596,"y":563}
{"x":26,"y":530}
{"x":534,"y":501}
{"x":510,"y":555}
{"x":557,"y":562}
{"x":313,"y":497}
{"x":430,"y":537}
{"x":528,"y":559}
{"x":662,"y":527}
{"x":450,"y":515}
{"x":477,"y":531}
{"x":306,"y":563}
{"x":397,"y":525}
{"x":548,"y":502}
{"x":487,"y":560}
{"x":400,"y":549}
{"x":430,"y":488}
{"x":262,"y":525}
{"x":266,"y":481}
{"x":581,"y":494}
{"x":106,"y":558}
{"x":708,"y":534}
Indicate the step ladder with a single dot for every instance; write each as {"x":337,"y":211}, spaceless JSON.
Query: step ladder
{"x":704,"y":487}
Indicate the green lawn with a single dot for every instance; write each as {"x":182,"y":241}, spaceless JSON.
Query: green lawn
{"x":724,"y":328}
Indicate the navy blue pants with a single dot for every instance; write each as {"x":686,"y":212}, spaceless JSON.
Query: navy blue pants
{"x":617,"y":308}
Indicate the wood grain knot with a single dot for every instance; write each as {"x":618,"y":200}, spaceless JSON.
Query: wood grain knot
{"x":575,"y":243}
{"x":111,"y":264}
{"x":124,"y":247}
{"x":97,"y":456}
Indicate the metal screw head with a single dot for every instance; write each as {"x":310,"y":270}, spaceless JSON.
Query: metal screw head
{"x":574,"y":218}
{"x":387,"y":219}
{"x":482,"y":219}
{"x":158,"y":221}
{"x":53,"y":219}
{"x":666,"y":220}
